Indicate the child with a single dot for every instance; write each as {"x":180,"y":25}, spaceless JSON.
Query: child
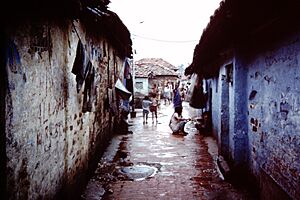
{"x":146,"y":108}
{"x":153,"y":107}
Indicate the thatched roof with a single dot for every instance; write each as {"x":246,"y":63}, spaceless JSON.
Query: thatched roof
{"x":248,"y":23}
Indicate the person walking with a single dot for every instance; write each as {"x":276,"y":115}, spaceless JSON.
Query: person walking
{"x":146,"y":108}
{"x":153,"y":107}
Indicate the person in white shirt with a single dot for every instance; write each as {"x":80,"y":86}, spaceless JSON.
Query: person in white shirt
{"x":177,"y":122}
{"x":167,"y":94}
{"x":146,"y":108}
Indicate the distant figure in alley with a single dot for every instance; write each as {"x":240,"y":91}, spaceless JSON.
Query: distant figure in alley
{"x":146,"y":108}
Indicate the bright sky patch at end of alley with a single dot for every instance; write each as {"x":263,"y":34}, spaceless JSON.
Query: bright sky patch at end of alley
{"x":167,"y":29}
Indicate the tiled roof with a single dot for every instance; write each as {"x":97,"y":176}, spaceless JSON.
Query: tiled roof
{"x":154,"y":67}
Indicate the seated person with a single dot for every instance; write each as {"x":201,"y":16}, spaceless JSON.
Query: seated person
{"x":177,"y":122}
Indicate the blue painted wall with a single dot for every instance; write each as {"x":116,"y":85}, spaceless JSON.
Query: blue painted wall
{"x":239,"y":134}
{"x":264,"y":114}
{"x":216,"y":107}
{"x":274,"y":113}
{"x":236,"y":118}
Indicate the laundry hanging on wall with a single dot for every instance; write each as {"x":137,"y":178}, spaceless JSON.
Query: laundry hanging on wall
{"x":80,"y":66}
{"x":122,"y":90}
{"x":129,"y":84}
{"x":198,"y":97}
{"x":85,"y":74}
{"x":127,"y":69}
{"x":89,"y":89}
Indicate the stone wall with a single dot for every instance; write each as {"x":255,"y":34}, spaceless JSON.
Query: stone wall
{"x":49,"y":140}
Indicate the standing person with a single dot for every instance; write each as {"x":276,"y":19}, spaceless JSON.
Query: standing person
{"x":167,"y":94}
{"x":159,"y":94}
{"x":153,"y":107}
{"x":177,"y":123}
{"x":177,"y":102}
{"x":146,"y":108}
{"x":182,"y":94}
{"x":171,"y":88}
{"x":154,"y":88}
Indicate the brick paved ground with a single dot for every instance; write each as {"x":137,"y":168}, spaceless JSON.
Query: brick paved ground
{"x":186,"y":164}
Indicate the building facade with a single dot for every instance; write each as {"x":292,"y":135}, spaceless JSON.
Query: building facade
{"x":58,"y":103}
{"x":153,"y":71}
{"x":255,"y":92}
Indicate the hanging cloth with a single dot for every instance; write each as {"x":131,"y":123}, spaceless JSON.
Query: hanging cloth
{"x":80,"y":66}
{"x":122,"y":90}
{"x":89,"y":89}
{"x":198,"y":98}
{"x":127,"y":69}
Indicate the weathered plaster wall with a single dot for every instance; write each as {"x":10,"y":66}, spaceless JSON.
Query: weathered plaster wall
{"x":239,"y":116}
{"x":229,"y":113}
{"x":145,"y":86}
{"x":274,"y":117}
{"x":216,"y":107}
{"x":148,"y":83}
{"x":49,"y":140}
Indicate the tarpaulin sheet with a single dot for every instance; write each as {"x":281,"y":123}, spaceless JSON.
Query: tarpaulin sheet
{"x":122,"y":91}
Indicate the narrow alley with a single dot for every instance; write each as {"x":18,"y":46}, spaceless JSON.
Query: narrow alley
{"x":151,"y":163}
{"x":74,"y":70}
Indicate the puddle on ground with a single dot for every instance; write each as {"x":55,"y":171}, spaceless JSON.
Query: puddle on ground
{"x":138,"y":172}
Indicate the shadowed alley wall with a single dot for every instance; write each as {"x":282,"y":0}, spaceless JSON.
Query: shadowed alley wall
{"x":50,"y":141}
{"x":264,"y":115}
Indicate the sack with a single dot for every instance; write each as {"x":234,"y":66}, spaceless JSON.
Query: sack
{"x":198,"y":98}
{"x":190,"y":91}
{"x":170,"y":122}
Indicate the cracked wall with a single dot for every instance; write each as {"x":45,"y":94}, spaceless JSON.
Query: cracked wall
{"x":50,"y":141}
{"x":274,"y":115}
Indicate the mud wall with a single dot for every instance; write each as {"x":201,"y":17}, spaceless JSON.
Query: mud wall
{"x":50,"y":141}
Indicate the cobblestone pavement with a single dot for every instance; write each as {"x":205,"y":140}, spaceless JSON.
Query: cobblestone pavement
{"x":185,"y":166}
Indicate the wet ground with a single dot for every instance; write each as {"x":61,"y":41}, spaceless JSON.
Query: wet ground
{"x":151,"y":163}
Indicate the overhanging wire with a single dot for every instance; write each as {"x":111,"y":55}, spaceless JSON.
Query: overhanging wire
{"x":168,"y":41}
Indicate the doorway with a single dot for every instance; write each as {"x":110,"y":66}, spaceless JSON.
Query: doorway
{"x":224,"y":117}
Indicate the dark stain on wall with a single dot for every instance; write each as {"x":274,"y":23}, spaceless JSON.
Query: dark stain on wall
{"x":23,"y":180}
{"x":284,"y":110}
{"x":252,"y":94}
{"x":41,"y":40}
{"x":254,"y":123}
